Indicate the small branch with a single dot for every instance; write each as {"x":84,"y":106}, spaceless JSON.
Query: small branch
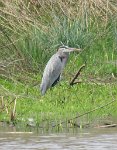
{"x":6,"y":106}
{"x":72,"y":82}
{"x":94,"y":109}
{"x":14,"y":110}
{"x":107,"y":126}
{"x":97,"y":108}
{"x":3,"y":105}
{"x":2,"y":102}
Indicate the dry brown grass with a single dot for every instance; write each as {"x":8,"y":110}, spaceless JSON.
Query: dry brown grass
{"x":16,"y":15}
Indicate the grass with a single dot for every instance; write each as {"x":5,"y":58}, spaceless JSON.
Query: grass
{"x":31,"y":32}
{"x":60,"y":103}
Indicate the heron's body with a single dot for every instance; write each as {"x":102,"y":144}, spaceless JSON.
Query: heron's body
{"x":53,"y":70}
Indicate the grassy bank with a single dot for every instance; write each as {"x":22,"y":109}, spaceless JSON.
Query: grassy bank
{"x":23,"y":105}
{"x":31,"y":31}
{"x":59,"y":104}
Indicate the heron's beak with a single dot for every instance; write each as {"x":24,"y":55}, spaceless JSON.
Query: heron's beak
{"x":73,"y":50}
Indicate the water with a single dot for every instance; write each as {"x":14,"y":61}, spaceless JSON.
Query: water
{"x":88,"y":139}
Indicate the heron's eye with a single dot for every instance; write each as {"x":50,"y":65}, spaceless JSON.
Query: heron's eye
{"x":66,"y":47}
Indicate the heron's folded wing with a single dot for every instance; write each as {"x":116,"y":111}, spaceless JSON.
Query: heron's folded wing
{"x":53,"y":69}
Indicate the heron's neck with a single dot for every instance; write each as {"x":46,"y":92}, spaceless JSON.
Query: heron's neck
{"x":64,"y":56}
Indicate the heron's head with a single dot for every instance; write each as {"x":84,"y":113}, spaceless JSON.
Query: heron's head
{"x":66,"y":49}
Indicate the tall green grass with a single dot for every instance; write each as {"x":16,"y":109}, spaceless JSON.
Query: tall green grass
{"x":36,"y":47}
{"x":33,"y":30}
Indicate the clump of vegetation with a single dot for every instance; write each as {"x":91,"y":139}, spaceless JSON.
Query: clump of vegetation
{"x":31,"y":31}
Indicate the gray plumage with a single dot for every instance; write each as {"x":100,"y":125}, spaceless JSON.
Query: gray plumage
{"x":55,"y":67}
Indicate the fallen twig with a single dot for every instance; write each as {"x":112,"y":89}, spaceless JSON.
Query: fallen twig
{"x":72,"y":82}
{"x":107,"y":126}
{"x":100,"y":107}
{"x":17,"y":132}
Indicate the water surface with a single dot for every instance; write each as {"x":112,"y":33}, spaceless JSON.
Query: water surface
{"x":88,"y":139}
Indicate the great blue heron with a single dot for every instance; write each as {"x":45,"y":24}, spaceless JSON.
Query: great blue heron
{"x":54,"y":68}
